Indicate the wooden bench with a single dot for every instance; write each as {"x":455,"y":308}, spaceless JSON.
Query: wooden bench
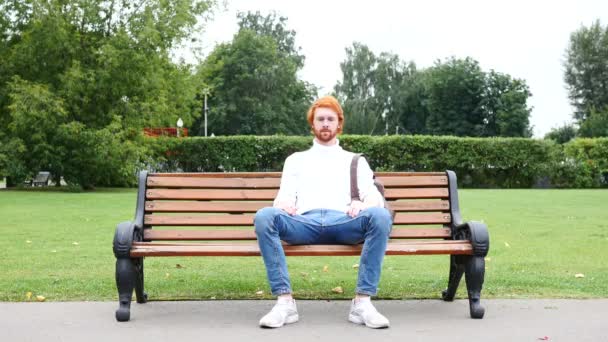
{"x":427,"y":221}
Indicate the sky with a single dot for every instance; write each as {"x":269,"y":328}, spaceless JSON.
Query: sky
{"x":526,"y":39}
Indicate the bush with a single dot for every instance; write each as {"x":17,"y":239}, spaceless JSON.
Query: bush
{"x":478,"y":162}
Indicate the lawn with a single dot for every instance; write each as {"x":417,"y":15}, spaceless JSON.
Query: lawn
{"x":59,"y":245}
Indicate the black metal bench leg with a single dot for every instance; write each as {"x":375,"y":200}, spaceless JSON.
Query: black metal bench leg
{"x":456,"y":271}
{"x":125,"y":282}
{"x":140,"y":294}
{"x":474,"y":274}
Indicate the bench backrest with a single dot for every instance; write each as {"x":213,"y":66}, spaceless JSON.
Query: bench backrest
{"x":175,"y":203}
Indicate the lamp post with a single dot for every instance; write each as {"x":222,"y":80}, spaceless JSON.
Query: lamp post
{"x":206,"y":92}
{"x":180,"y":124}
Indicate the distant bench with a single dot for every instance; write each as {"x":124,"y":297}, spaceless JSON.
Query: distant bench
{"x":427,"y":221}
{"x":41,"y":179}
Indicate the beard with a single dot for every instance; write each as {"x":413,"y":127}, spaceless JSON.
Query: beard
{"x":325,"y":135}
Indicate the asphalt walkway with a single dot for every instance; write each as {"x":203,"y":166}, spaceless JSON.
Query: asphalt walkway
{"x":411,"y":320}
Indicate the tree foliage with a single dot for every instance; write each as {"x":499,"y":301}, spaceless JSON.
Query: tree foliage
{"x":562,"y":134}
{"x":586,"y":73}
{"x":95,"y":65}
{"x":253,"y":80}
{"x":453,"y":97}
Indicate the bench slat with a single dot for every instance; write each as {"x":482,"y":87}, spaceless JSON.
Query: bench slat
{"x":251,"y":207}
{"x":278,"y":174}
{"x":211,"y":235}
{"x":265,"y":194}
{"x":247,"y":219}
{"x":141,"y":249}
{"x":271,"y":183}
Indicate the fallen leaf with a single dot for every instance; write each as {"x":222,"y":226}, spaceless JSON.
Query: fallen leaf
{"x":167,"y":275}
{"x":212,"y":298}
{"x":356,"y":266}
{"x":54,"y":251}
{"x":337,"y":289}
{"x":325,"y":268}
{"x":28,"y":295}
{"x":260,"y":293}
{"x":579,"y":275}
{"x":507,"y":245}
{"x":179,"y":266}
{"x":488,"y":259}
{"x":40,"y":298}
{"x":304,"y":274}
{"x":28,"y":241}
{"x":75,"y":243}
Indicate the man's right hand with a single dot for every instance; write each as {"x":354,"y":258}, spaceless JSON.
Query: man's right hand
{"x":286,"y":207}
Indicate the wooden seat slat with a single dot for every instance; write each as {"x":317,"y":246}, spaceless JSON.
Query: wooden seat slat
{"x":249,"y":234}
{"x":278,"y":174}
{"x":273,"y":182}
{"x":247,"y":219}
{"x":270,"y":194}
{"x":251,"y":207}
{"x":193,"y":182}
{"x":141,"y":249}
{"x":206,"y":207}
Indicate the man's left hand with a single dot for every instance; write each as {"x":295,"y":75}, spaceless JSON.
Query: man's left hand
{"x":355,"y":208}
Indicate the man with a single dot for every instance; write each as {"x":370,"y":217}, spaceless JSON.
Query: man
{"x":314,"y":206}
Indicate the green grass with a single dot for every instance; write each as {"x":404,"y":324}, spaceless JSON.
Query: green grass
{"x":59,"y":245}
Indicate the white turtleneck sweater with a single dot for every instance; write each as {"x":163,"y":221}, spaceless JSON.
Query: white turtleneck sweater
{"x":319,"y":178}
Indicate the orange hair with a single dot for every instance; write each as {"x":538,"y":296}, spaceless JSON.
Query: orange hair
{"x":326,"y":102}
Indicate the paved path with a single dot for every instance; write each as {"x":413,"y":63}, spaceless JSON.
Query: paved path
{"x":222,"y":321}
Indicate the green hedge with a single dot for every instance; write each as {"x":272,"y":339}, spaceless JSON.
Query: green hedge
{"x":478,"y":162}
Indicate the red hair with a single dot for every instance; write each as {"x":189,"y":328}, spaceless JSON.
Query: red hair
{"x":326,"y":102}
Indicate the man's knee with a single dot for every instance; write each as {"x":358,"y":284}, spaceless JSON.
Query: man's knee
{"x":264,"y":219}
{"x":380,"y":219}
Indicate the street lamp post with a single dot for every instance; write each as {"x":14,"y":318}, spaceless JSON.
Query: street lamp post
{"x":180,"y":124}
{"x":206,"y":92}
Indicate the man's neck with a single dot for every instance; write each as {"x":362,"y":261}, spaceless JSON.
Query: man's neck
{"x":332,"y":142}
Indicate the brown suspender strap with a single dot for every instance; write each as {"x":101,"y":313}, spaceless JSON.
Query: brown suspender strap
{"x":354,"y":189}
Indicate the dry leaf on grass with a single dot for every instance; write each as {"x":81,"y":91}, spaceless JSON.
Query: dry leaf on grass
{"x":507,"y":245}
{"x":40,"y":298}
{"x":28,"y":295}
{"x":337,"y":289}
{"x":579,"y":275}
{"x":304,"y":274}
{"x":179,"y":266}
{"x":75,"y":243}
{"x":356,"y":266}
{"x":325,"y":268}
{"x":488,"y":259}
{"x":167,"y":275}
{"x":28,"y":241}
{"x":259,"y":293}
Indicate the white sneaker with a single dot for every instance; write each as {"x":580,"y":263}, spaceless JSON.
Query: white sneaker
{"x":364,"y":312}
{"x":281,"y":313}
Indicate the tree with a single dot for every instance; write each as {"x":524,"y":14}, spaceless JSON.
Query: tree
{"x":253,"y":80}
{"x":586,"y":70}
{"x":562,"y":134}
{"x":454,"y":91}
{"x":372,"y":87}
{"x":596,"y":124}
{"x":102,"y":62}
{"x":505,"y":105}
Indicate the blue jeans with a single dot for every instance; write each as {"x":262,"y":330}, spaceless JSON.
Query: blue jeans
{"x":320,"y":226}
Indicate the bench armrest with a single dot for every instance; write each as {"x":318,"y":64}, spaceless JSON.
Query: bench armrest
{"x":477,"y":233}
{"x":126,"y":233}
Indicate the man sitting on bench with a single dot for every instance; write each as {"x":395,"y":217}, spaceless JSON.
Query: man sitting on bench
{"x":314,"y":206}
